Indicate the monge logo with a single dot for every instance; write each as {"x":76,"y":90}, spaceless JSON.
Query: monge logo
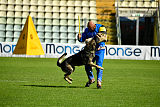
{"x":51,"y":48}
{"x":155,"y":51}
{"x":6,"y":48}
{"x":127,"y":51}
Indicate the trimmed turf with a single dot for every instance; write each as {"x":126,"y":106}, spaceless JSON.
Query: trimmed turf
{"x":35,"y":82}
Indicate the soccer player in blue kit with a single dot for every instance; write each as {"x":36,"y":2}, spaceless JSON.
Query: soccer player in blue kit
{"x":90,"y":32}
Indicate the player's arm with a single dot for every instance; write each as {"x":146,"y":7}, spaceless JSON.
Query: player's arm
{"x":79,"y":36}
{"x":82,"y":37}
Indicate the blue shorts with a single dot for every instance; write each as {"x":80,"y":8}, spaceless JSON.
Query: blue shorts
{"x":99,"y":57}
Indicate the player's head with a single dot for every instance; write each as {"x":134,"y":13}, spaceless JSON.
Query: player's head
{"x":102,"y":29}
{"x":91,"y":26}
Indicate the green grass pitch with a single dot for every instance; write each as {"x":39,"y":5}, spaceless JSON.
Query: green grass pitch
{"x":38,"y":82}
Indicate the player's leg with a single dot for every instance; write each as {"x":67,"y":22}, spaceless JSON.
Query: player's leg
{"x":99,"y":62}
{"x":89,"y":74}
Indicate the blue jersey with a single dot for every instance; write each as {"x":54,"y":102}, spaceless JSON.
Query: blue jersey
{"x":88,"y":34}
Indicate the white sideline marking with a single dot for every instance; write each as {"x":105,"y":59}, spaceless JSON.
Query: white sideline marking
{"x":11,"y":81}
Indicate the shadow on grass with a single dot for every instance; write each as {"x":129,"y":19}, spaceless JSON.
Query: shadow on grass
{"x":55,"y":86}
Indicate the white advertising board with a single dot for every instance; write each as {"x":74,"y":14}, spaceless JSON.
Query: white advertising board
{"x":111,"y":51}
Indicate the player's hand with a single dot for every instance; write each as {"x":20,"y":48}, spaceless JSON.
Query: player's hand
{"x":79,"y":36}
